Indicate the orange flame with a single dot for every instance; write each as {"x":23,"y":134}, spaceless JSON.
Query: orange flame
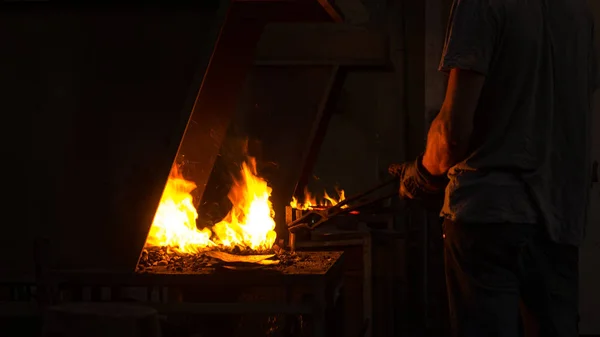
{"x":175,"y":219}
{"x":311,"y":201}
{"x":249,"y":223}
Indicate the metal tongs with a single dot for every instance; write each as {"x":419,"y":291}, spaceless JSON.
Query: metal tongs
{"x":317,"y":217}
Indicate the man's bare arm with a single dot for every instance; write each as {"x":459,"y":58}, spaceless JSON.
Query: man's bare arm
{"x":450,"y":132}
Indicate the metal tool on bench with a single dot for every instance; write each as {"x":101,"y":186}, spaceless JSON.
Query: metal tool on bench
{"x":317,"y":217}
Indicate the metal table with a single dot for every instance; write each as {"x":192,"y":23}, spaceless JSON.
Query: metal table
{"x":320,"y":288}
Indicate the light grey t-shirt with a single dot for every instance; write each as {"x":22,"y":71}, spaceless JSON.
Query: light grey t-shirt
{"x":529,"y":151}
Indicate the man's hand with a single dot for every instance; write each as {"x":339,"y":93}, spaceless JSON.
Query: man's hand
{"x":416,"y":182}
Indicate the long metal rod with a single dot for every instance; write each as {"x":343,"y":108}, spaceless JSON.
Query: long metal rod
{"x":362,"y":194}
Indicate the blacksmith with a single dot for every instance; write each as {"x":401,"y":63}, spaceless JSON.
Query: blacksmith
{"x":510,"y":149}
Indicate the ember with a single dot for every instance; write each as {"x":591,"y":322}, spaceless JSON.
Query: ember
{"x":249,"y":225}
{"x":165,"y":258}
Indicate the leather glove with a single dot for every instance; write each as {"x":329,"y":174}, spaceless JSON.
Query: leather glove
{"x":416,"y":182}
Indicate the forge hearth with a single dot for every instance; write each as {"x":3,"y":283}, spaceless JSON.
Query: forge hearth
{"x":159,"y":260}
{"x":171,"y":77}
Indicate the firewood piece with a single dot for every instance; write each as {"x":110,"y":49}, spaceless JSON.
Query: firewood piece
{"x":226,"y":257}
{"x":268,"y":262}
{"x":89,"y":319}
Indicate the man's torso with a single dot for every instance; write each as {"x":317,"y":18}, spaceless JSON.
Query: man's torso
{"x":530,"y":145}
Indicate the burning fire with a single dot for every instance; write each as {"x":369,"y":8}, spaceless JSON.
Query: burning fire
{"x":311,"y":201}
{"x":249,"y":224}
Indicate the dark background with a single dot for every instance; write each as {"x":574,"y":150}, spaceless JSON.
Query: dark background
{"x":380,"y":118}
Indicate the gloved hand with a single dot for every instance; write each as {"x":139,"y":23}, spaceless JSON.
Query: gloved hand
{"x":416,"y":182}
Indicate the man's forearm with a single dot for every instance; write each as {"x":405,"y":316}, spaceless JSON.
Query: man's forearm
{"x":450,"y":132}
{"x":447,"y":143}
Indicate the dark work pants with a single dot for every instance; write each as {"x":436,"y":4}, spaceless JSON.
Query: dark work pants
{"x":493,"y":268}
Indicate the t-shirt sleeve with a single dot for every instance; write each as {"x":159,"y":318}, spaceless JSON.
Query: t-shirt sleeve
{"x":470,"y":37}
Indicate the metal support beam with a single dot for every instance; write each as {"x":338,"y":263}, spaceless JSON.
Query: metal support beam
{"x":322,"y":44}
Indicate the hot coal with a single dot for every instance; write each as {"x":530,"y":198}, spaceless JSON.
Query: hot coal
{"x":171,"y":260}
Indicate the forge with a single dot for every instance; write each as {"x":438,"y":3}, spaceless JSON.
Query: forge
{"x":158,"y":97}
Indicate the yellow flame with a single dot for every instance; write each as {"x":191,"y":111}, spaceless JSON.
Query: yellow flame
{"x":311,"y":201}
{"x":248,"y":224}
{"x":175,"y":219}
